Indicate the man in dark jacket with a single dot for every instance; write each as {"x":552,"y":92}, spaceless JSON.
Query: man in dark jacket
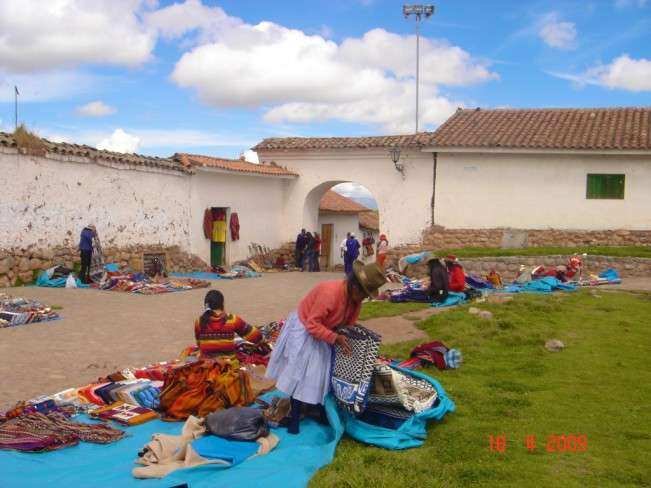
{"x":86,"y":251}
{"x":301,"y":241}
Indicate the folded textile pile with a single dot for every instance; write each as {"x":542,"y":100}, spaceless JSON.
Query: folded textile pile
{"x":124,"y":413}
{"x":140,"y":283}
{"x":18,"y":311}
{"x":435,"y":353}
{"x":37,"y":432}
{"x":203,"y":387}
{"x":351,"y":373}
{"x":394,"y":397}
{"x":197,"y":447}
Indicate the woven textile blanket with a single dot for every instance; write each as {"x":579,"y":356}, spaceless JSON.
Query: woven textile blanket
{"x":392,"y":388}
{"x":351,"y":374}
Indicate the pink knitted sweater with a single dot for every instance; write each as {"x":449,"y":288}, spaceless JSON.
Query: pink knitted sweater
{"x":324,"y":308}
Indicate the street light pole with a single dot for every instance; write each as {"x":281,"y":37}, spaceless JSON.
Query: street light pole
{"x":418,"y":11}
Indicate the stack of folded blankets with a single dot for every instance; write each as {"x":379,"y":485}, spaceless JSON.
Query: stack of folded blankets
{"x":19,"y":311}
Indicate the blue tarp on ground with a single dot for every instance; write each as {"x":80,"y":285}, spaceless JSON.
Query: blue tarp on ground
{"x":547,"y":284}
{"x":410,"y":434}
{"x":199,"y":275}
{"x":44,"y":281}
{"x":454,"y":298}
{"x":291,"y":464}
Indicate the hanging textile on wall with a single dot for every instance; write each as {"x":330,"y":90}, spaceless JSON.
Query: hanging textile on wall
{"x":219,"y":231}
{"x":207,"y":223}
{"x":235,"y":227}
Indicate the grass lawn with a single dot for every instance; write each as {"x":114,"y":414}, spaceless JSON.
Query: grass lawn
{"x":616,"y":251}
{"x":373,"y":310}
{"x":509,"y":384}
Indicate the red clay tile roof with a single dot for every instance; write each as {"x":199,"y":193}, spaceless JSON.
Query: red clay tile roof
{"x":300,"y":143}
{"x":546,"y":128}
{"x":370,"y":220}
{"x":235,"y":165}
{"x":549,"y":128}
{"x":67,"y":149}
{"x":334,"y":202}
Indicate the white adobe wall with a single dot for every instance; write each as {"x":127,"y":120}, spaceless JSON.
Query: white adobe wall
{"x":258,"y":201}
{"x":343,"y":223}
{"x":47,"y":202}
{"x":539,"y":191}
{"x":404,"y":204}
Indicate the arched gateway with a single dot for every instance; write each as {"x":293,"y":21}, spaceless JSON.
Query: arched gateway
{"x":403,"y":191}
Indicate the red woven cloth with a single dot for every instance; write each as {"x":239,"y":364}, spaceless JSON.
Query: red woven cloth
{"x":207,"y":224}
{"x":235,"y":227}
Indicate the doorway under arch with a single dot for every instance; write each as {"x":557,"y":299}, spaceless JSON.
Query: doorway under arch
{"x":334,"y":209}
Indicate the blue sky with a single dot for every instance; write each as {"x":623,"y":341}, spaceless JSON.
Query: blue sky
{"x":217,"y":77}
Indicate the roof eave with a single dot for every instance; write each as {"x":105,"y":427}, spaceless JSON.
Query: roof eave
{"x":210,"y":169}
{"x":521,"y":150}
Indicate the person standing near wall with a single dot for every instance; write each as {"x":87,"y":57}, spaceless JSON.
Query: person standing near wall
{"x":382,"y":249}
{"x":300,"y":248}
{"x":86,"y":251}
{"x":308,"y":256}
{"x":342,"y":246}
{"x":317,"y":252}
{"x":352,"y":252}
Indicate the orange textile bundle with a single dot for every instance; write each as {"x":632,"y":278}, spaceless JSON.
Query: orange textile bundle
{"x":203,"y":387}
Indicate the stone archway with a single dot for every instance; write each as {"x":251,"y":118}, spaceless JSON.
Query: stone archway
{"x":404,"y":202}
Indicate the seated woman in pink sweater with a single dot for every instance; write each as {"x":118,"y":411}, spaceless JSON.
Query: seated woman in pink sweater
{"x":300,"y":361}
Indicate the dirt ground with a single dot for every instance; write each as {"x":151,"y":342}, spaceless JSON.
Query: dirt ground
{"x":103,"y":331}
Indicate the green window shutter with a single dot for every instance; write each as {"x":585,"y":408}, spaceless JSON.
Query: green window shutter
{"x":602,"y":186}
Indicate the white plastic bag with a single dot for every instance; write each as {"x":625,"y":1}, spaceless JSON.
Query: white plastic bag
{"x":71,"y":282}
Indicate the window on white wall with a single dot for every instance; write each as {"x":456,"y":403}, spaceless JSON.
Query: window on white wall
{"x":605,"y":186}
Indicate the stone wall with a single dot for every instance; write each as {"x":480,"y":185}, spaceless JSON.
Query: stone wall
{"x":22,"y":264}
{"x":438,"y":237}
{"x":508,"y":266}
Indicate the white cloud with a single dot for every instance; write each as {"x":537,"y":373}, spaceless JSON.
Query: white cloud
{"x":251,"y":156}
{"x":120,"y":141}
{"x":95,"y":109}
{"x":352,"y":189}
{"x":556,"y":33}
{"x":624,"y":73}
{"x":630,"y":3}
{"x":37,"y":35}
{"x":302,"y":78}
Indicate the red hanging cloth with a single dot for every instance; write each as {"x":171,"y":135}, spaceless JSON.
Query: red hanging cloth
{"x":207,"y":223}
{"x":235,"y":227}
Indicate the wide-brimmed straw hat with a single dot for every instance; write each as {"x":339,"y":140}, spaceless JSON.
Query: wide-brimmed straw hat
{"x":370,"y":276}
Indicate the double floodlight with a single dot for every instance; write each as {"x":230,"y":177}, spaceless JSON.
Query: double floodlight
{"x":418,"y":10}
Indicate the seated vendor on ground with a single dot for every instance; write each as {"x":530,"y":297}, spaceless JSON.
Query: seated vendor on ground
{"x":457,"y":276}
{"x":438,"y":280}
{"x":216,"y":330}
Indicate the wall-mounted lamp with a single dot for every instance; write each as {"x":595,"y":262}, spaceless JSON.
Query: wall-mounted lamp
{"x":395,"y":157}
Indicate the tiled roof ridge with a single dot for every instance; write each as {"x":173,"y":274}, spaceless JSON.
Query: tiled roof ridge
{"x":240,"y":165}
{"x":584,"y":128}
{"x":65,"y":148}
